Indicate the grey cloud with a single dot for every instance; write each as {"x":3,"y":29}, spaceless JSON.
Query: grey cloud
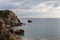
{"x":32,"y":0}
{"x":28,"y":4}
{"x":27,"y":0}
{"x":15,"y":0}
{"x":54,"y":0}
{"x":23,"y":4}
{"x":7,"y":6}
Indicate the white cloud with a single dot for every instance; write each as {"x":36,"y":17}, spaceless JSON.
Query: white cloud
{"x":45,"y":10}
{"x":33,"y":8}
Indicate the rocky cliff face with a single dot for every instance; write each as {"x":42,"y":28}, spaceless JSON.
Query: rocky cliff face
{"x":8,"y":18}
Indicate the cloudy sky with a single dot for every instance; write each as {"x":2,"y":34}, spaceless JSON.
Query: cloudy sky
{"x":33,"y":8}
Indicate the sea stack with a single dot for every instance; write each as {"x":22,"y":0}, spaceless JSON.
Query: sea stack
{"x":29,"y":21}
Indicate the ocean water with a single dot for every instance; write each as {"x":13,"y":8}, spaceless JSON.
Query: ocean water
{"x":41,"y":29}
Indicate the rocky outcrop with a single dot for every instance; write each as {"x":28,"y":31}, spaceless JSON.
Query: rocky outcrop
{"x":5,"y":34}
{"x":19,"y":32}
{"x":29,"y":21}
{"x":10,"y":18}
{"x":7,"y":20}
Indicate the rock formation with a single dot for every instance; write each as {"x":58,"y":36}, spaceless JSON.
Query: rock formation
{"x":10,"y":18}
{"x":29,"y":21}
{"x":19,"y":32}
{"x":7,"y":20}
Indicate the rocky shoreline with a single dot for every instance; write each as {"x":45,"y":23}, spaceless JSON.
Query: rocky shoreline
{"x":7,"y":21}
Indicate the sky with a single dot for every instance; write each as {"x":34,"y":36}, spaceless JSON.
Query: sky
{"x":33,"y":8}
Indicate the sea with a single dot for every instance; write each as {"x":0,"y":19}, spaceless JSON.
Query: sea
{"x":41,"y":28}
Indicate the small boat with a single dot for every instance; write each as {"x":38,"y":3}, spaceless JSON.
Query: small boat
{"x":29,"y":21}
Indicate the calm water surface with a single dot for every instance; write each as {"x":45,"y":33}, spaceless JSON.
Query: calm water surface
{"x":41,"y":29}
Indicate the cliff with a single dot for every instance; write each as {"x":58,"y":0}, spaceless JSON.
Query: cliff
{"x":8,"y":18}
